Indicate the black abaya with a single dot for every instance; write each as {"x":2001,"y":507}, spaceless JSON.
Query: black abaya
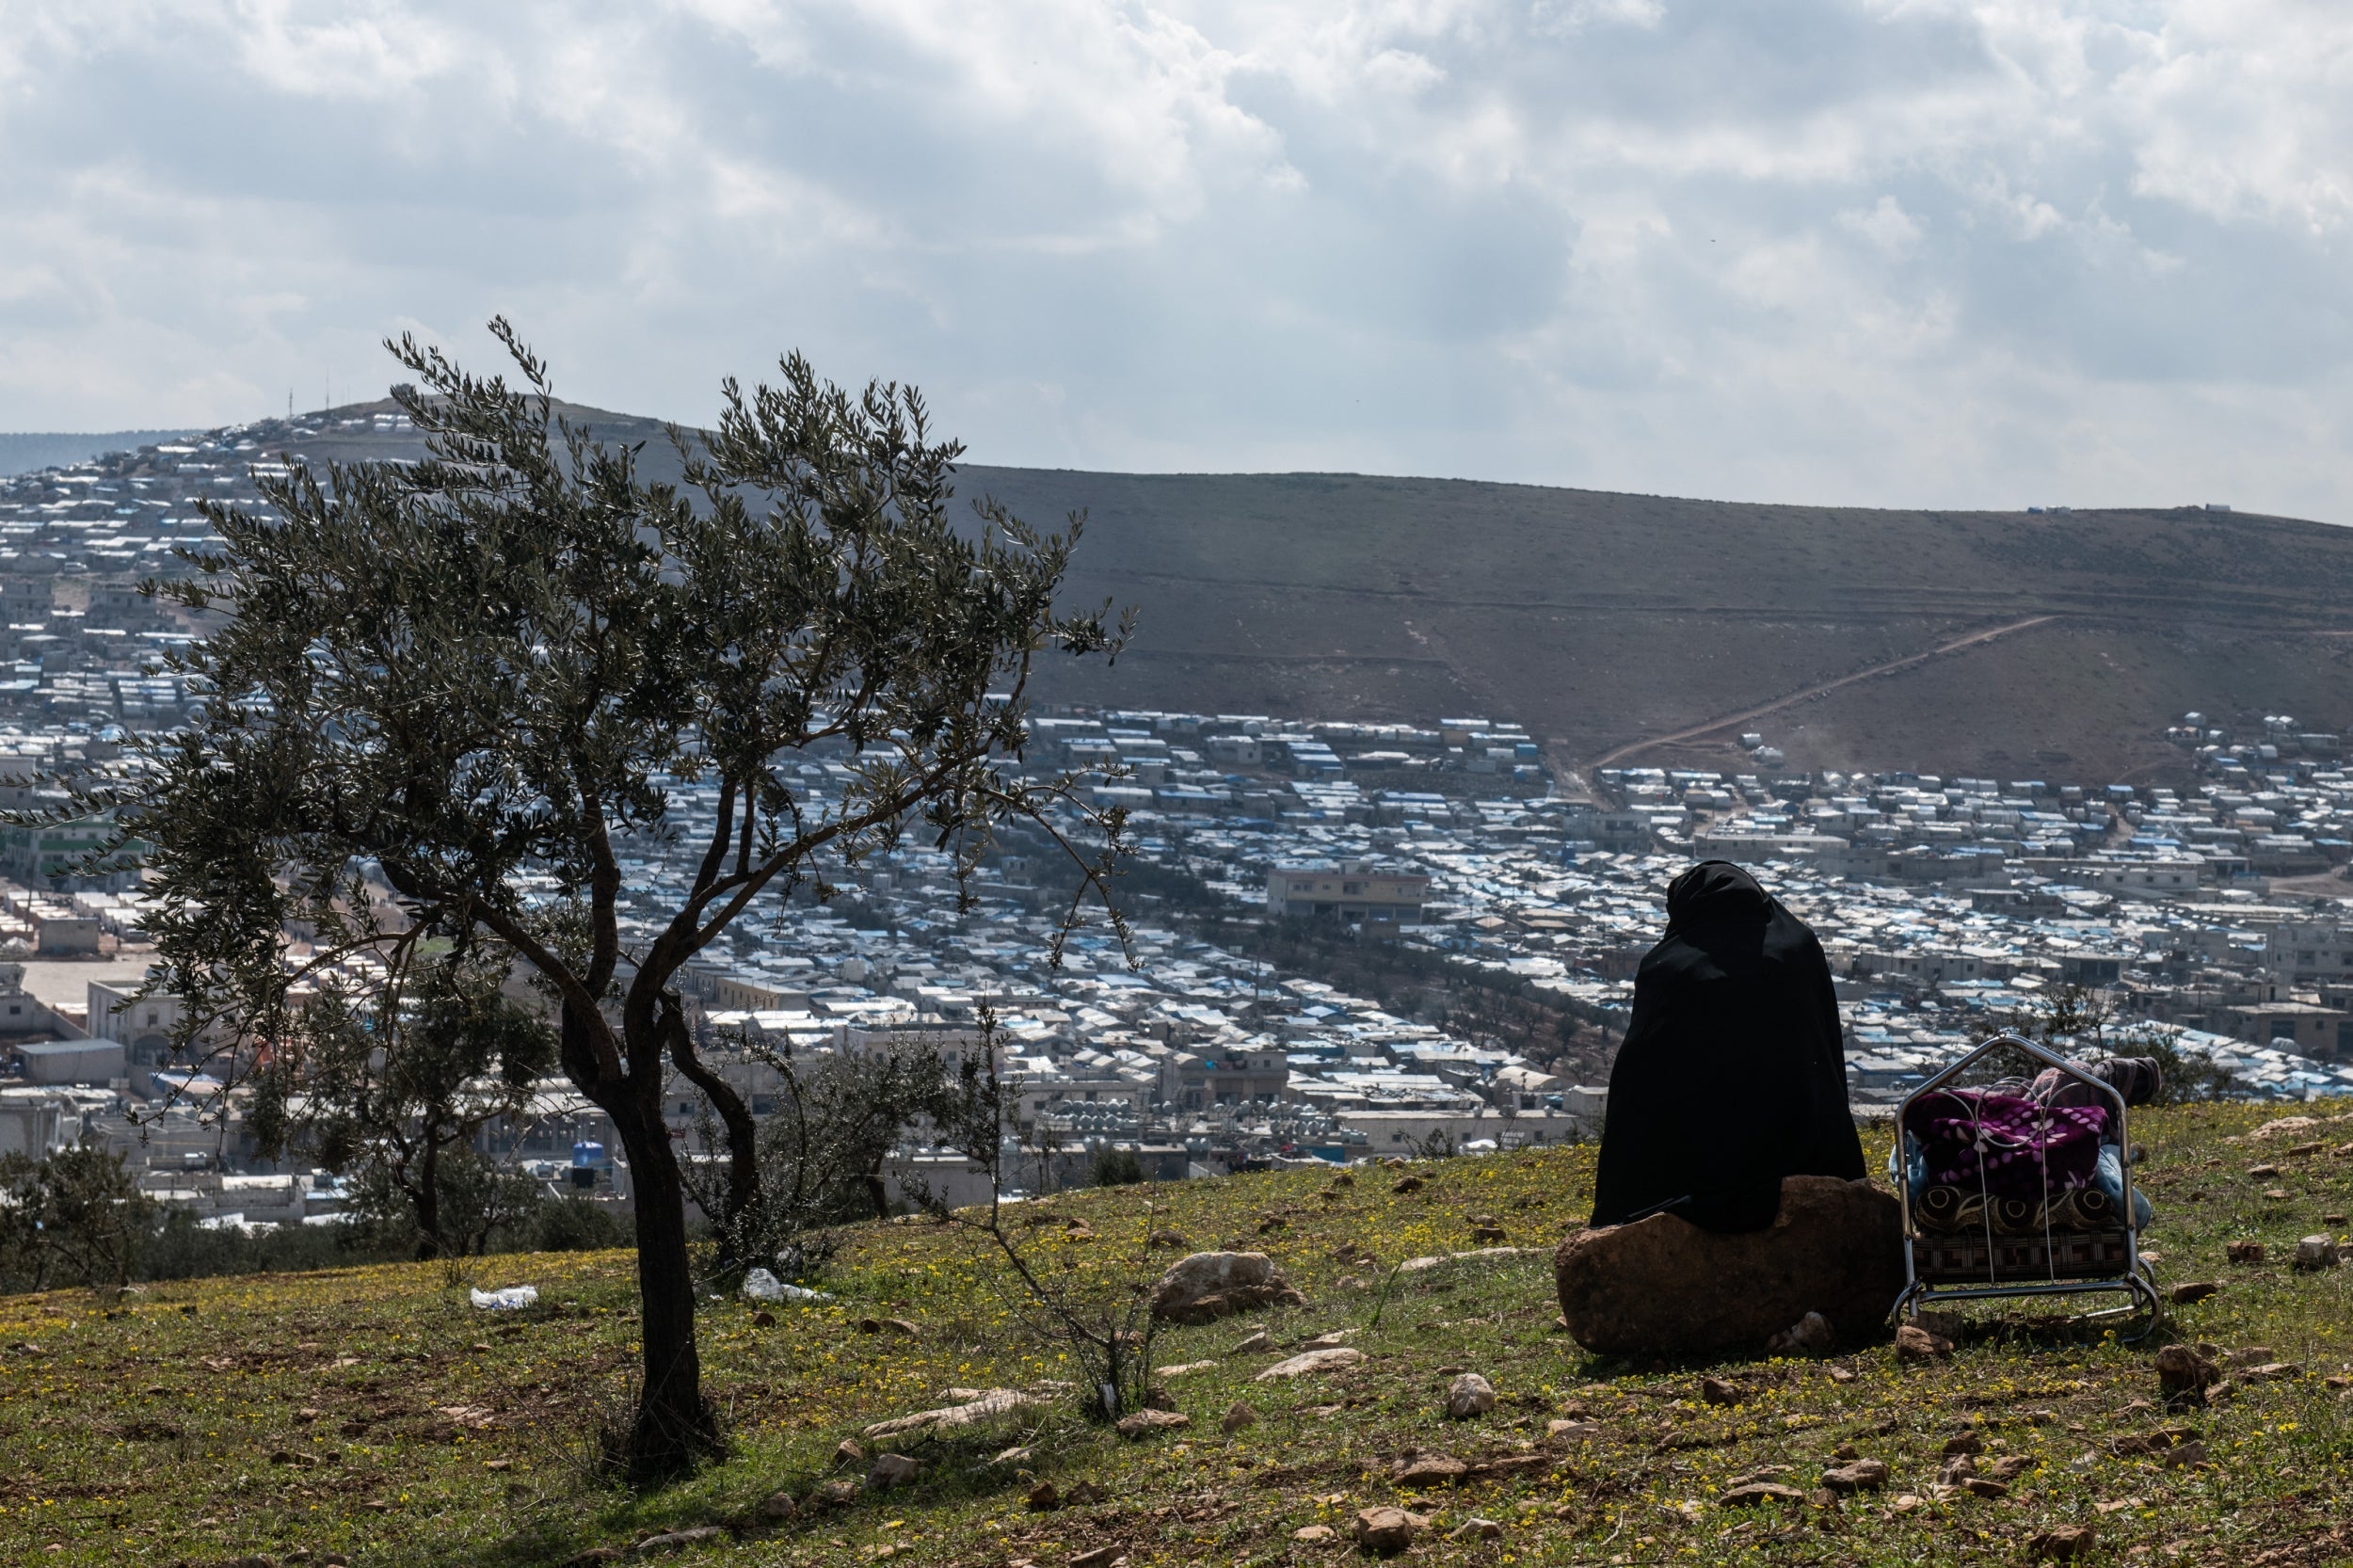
{"x":1732,"y":1074}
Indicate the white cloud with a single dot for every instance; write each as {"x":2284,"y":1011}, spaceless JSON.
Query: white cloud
{"x":1891,"y":251}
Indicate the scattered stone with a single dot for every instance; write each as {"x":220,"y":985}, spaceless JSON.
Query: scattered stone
{"x":1431,"y":1469}
{"x":2276,"y":1195}
{"x":2009,"y":1466}
{"x":1183,"y":1368}
{"x":1904,"y":1502}
{"x":1757,"y":1492}
{"x":1325,"y":1341}
{"x":1238,"y":1415}
{"x":1984,"y":1487}
{"x":1082,"y":1492}
{"x":1387,"y":1531}
{"x":764,"y":1318}
{"x":848,"y":1452}
{"x":1208,"y":1285}
{"x":1311,"y":1534}
{"x":833,"y":1494}
{"x":1101,"y":1557}
{"x":1021,"y":1453}
{"x":1717,"y":1391}
{"x":1821,"y":1496}
{"x":1311,"y":1361}
{"x":1409,"y":1184}
{"x":1572,"y":1432}
{"x":1842,"y":1374}
{"x":2062,"y":1544}
{"x":980,"y":1408}
{"x":2245,"y":1252}
{"x":1470,"y":1395}
{"x":2317,"y":1252}
{"x":1476,"y":1530}
{"x":1967,"y":1443}
{"x":1150,"y":1423}
{"x":1914,"y":1343}
{"x":1044,"y":1497}
{"x":2269,"y":1371}
{"x":677,"y":1541}
{"x":2194,"y":1290}
{"x":1258,"y":1341}
{"x":1809,"y":1336}
{"x":1166,"y":1239}
{"x":2262,"y":1170}
{"x":1863,"y":1474}
{"x":1663,"y":1285}
{"x":891,"y":1470}
{"x":1958,"y":1469}
{"x":2182,"y":1371}
{"x":2182,"y":1456}
{"x":1271,"y":1223}
{"x":778,"y":1507}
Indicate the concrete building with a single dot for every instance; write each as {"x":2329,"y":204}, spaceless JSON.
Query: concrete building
{"x":1357,"y":892}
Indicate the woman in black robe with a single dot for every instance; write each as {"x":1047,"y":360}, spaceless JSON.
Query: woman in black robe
{"x":1732,"y":1074}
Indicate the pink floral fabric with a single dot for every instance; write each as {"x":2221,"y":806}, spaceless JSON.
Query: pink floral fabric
{"x":2007,"y":1144}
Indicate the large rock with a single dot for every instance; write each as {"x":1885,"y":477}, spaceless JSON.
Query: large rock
{"x":1212,"y":1285}
{"x":1664,"y":1287}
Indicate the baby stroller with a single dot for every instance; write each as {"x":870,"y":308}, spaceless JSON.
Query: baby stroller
{"x":2005,"y":1194}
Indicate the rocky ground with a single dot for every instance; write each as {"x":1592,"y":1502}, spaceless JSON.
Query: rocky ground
{"x":1419,"y":1401}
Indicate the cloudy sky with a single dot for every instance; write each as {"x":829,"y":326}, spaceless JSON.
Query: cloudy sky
{"x":1945,"y":253}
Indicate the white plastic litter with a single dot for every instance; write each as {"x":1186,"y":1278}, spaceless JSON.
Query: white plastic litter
{"x":761,"y":1286}
{"x":509,"y":1299}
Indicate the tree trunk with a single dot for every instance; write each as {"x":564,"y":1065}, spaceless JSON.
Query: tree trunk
{"x":740,"y":1230}
{"x":674,"y":1428}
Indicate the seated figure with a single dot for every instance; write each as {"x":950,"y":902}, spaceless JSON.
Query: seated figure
{"x":1733,"y":1073}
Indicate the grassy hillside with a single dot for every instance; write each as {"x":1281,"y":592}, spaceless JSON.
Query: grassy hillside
{"x":371,"y":1413}
{"x":1605,"y":620}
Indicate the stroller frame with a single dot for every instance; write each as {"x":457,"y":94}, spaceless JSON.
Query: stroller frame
{"x":2090,"y":1264}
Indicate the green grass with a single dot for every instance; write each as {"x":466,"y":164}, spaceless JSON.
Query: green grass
{"x":408,"y":1428}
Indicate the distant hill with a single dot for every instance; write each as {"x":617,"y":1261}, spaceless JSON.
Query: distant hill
{"x":24,"y":452}
{"x":2000,"y":644}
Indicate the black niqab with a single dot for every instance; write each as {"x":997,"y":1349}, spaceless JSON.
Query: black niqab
{"x":1732,"y":1074}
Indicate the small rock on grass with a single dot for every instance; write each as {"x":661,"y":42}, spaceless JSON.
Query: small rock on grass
{"x":2194,"y":1290}
{"x":1385,"y":1532}
{"x":848,"y":1452}
{"x":1256,"y":1341}
{"x":1811,"y":1334}
{"x":2064,"y":1543}
{"x":890,"y":1470}
{"x":1984,"y":1487}
{"x":2245,"y":1252}
{"x":1863,"y":1474}
{"x":1101,"y":1557}
{"x":1150,"y":1423}
{"x":1312,"y":1533}
{"x":834,"y":1493}
{"x":1476,"y":1530}
{"x":677,"y":1541}
{"x":1312,"y":1361}
{"x":2317,"y":1252}
{"x":1238,"y":1415}
{"x":777,"y":1505}
{"x":1914,"y":1343}
{"x":1470,"y":1395}
{"x":1757,"y":1492}
{"x":1717,"y":1391}
{"x":2182,"y":1372}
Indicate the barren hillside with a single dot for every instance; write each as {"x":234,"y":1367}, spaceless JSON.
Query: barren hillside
{"x":2020,"y":645}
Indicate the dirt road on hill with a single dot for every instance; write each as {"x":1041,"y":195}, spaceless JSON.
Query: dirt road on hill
{"x":1634,"y":748}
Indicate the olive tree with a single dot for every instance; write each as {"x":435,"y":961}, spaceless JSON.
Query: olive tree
{"x":446,"y":697}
